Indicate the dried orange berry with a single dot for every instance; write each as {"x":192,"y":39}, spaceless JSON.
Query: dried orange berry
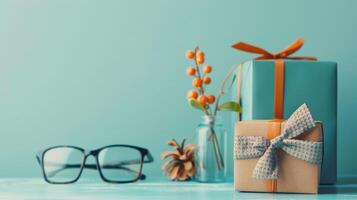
{"x":192,"y":94}
{"x":211,"y":99}
{"x":190,"y":54}
{"x":190,"y":71}
{"x":200,"y":57}
{"x":206,"y":80}
{"x":207,"y":69}
{"x":200,"y":54}
{"x":200,"y":60}
{"x":197,"y":82}
{"x":202,"y":99}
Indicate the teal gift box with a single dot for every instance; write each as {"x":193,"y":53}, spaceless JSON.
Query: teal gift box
{"x":310,"y":82}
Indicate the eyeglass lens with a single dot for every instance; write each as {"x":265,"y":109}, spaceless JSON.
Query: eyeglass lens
{"x":120,"y":163}
{"x":63,"y":164}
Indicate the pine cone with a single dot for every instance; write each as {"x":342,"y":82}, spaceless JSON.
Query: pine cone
{"x":181,"y":165}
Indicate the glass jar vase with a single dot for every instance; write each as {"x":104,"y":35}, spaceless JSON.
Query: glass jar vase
{"x":210,"y":154}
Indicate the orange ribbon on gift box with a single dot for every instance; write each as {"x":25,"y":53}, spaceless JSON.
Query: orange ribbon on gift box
{"x":266,"y":55}
{"x":278,"y":81}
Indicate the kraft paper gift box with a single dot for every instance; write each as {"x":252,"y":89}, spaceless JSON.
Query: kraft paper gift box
{"x":294,"y":175}
{"x":313,"y":82}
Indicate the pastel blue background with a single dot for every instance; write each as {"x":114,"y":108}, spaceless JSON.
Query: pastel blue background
{"x":92,"y":73}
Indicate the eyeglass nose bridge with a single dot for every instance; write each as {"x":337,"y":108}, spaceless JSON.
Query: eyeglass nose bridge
{"x":95,"y":165}
{"x":93,"y":153}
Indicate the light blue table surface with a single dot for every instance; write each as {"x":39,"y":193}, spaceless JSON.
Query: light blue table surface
{"x":154,"y":188}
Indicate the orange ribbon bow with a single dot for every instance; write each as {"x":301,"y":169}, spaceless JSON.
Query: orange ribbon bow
{"x":265,"y":55}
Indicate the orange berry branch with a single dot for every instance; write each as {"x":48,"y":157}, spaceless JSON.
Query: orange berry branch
{"x":198,"y":98}
{"x":199,"y":82}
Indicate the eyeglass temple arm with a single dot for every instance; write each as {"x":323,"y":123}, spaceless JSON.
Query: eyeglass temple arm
{"x":149,"y":157}
{"x":95,"y":167}
{"x":38,"y":157}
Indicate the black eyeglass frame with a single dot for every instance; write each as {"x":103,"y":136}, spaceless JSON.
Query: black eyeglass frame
{"x":143,"y":152}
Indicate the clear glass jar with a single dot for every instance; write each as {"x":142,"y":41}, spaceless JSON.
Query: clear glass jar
{"x":211,"y":154}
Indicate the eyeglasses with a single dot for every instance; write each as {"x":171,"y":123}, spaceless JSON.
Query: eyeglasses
{"x":115,"y":163}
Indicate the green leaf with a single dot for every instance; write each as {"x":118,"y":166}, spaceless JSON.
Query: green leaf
{"x":233,"y":79}
{"x":194,"y":103}
{"x":235,"y":75}
{"x":230,"y":106}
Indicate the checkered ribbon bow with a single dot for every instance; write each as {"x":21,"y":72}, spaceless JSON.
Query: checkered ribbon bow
{"x":246,"y":147}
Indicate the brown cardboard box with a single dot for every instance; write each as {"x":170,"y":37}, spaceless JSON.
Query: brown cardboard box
{"x":294,"y":175}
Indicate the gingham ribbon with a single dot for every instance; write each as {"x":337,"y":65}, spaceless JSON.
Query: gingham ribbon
{"x":246,"y":147}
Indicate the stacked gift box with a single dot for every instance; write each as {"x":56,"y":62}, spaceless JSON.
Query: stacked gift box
{"x":270,"y":88}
